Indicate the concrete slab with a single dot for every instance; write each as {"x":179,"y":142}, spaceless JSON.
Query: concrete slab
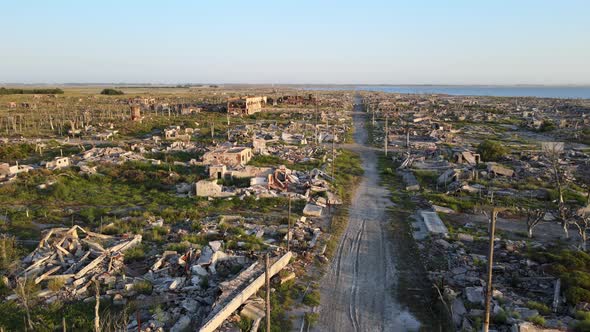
{"x":433,"y":222}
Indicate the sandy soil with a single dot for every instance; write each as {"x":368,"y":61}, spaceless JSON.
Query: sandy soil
{"x":357,"y":291}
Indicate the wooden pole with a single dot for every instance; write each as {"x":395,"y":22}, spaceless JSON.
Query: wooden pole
{"x":386,"y":136}
{"x":267,"y":281}
{"x":488,"y":299}
{"x":333,"y":150}
{"x":97,"y":308}
{"x":289,"y":225}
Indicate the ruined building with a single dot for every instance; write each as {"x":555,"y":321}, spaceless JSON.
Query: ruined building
{"x":135,"y":112}
{"x":246,"y":105}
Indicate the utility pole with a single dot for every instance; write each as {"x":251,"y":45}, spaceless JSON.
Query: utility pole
{"x":96,"y":307}
{"x":267,"y":280}
{"x":488,"y":299}
{"x":333,"y":150}
{"x":385,"y":139}
{"x":289,"y":225}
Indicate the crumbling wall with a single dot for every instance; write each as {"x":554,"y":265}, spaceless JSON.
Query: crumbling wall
{"x":217,"y":317}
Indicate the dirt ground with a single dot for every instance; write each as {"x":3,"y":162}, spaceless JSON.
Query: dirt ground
{"x":356,"y":292}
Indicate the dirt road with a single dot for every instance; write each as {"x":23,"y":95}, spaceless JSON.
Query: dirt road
{"x":357,"y":291}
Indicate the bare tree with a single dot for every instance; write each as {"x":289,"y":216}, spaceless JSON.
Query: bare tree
{"x":553,"y":151}
{"x":582,"y":223}
{"x":24,"y":292}
{"x":583,"y":174}
{"x":8,"y":251}
{"x":533,"y":218}
{"x":564,"y":216}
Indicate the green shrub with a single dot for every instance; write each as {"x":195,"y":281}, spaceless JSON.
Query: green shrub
{"x":312,"y":298}
{"x":537,"y":320}
{"x":575,"y":295}
{"x":582,"y":326}
{"x":311,"y":318}
{"x":491,"y":150}
{"x":55,"y":284}
{"x":500,"y":318}
{"x":541,"y":307}
{"x":111,"y":92}
{"x":547,"y":125}
{"x":135,"y":254}
{"x":143,"y":287}
{"x":583,"y":315}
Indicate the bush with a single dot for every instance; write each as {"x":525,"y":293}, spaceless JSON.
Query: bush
{"x":541,"y":307}
{"x":111,"y":92}
{"x":135,"y":254}
{"x":537,"y":320}
{"x":582,"y":326}
{"x":312,"y":298}
{"x":55,"y":91}
{"x":55,"y":284}
{"x":143,"y":287}
{"x":491,"y":150}
{"x":500,"y":318}
{"x":547,"y":125}
{"x":311,"y":318}
{"x":575,"y":295}
{"x":583,"y":315}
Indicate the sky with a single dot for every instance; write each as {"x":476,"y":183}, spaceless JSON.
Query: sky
{"x":299,"y":42}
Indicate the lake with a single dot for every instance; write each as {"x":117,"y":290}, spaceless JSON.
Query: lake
{"x":569,"y":92}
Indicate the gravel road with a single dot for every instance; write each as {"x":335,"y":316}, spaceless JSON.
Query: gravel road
{"x":357,"y":291}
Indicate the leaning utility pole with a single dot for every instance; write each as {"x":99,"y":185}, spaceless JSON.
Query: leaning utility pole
{"x":488,"y":299}
{"x":267,"y":280}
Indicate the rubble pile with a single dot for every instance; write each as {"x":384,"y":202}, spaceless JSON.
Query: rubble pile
{"x":76,"y":257}
{"x":517,"y":281}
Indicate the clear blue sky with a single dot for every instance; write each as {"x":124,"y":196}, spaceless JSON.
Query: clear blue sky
{"x":321,"y":41}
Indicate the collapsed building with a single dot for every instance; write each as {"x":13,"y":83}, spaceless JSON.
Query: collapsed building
{"x":245,"y":105}
{"x":228,"y":155}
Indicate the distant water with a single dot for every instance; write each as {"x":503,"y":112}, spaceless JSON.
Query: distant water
{"x":474,"y":90}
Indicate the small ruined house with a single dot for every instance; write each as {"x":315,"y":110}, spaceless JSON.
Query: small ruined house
{"x":135,"y":113}
{"x":499,"y":170}
{"x":58,"y":163}
{"x":229,"y":156}
{"x":466,"y":157}
{"x":245,"y":105}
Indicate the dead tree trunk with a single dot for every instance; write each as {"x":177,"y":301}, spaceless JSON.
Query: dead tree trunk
{"x":534,"y":217}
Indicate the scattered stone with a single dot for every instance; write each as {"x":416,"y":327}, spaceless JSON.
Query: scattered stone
{"x":474,"y":295}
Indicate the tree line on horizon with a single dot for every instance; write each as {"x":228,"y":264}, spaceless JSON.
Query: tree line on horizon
{"x":13,"y":91}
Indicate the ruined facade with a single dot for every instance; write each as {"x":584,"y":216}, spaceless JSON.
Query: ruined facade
{"x":135,"y":113}
{"x":232,"y":156}
{"x":246,"y":105}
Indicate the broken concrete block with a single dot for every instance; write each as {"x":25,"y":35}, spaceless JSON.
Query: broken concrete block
{"x":182,"y":324}
{"x":312,"y":210}
{"x":458,"y":310}
{"x":215,"y":245}
{"x":199,"y":270}
{"x":474,"y":295}
{"x":176,"y":283}
{"x":465,"y":237}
